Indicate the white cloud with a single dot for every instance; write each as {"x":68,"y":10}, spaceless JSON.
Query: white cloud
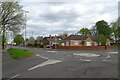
{"x":53,"y":18}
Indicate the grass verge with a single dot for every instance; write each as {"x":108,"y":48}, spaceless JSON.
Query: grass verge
{"x":19,"y":53}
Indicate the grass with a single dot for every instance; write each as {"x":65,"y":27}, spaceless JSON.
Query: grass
{"x":19,"y":53}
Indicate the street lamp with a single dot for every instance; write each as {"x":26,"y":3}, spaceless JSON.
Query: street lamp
{"x":55,"y":42}
{"x":24,"y":11}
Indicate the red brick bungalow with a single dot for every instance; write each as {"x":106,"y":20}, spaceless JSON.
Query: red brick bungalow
{"x":79,"y":40}
{"x":73,"y":40}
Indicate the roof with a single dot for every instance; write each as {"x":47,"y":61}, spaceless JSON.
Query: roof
{"x":80,"y":37}
{"x":53,"y":39}
{"x":75,"y":37}
{"x":94,"y":38}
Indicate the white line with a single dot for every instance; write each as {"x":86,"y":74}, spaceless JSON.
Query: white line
{"x":108,"y":56}
{"x":15,"y":76}
{"x":113,"y":52}
{"x":41,"y":56}
{"x":106,"y":60}
{"x":85,"y":60}
{"x":51,"y":61}
{"x":86,"y":54}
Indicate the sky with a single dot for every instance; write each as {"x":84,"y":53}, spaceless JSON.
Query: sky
{"x":54,"y":17}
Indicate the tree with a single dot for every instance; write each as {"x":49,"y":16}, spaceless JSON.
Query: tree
{"x":115,"y":29}
{"x":11,"y":18}
{"x":103,"y":28}
{"x":39,"y":38}
{"x":93,"y":31}
{"x":63,"y":34}
{"x":84,"y":31}
{"x":31,"y":40}
{"x":18,"y":39}
{"x":26,"y":39}
{"x":102,"y":38}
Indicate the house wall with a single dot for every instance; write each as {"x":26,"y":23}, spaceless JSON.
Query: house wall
{"x":89,"y":42}
{"x":108,"y":42}
{"x":75,"y":43}
{"x":95,"y":43}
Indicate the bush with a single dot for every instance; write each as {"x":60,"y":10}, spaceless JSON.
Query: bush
{"x":36,"y":45}
{"x":115,"y":44}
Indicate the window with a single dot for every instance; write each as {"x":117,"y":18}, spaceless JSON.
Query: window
{"x":75,"y":42}
{"x":67,"y":43}
{"x":88,"y":44}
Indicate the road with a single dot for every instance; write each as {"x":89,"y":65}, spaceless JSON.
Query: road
{"x":51,"y":63}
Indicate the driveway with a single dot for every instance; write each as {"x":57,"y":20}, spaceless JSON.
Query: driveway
{"x":53,"y":63}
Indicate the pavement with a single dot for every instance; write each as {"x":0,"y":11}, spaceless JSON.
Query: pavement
{"x":53,"y":63}
{"x":0,"y":62}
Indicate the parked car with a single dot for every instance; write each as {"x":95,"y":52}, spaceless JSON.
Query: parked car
{"x":48,"y":46}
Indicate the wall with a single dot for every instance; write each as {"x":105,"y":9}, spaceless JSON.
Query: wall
{"x":73,"y":41}
{"x":85,"y":47}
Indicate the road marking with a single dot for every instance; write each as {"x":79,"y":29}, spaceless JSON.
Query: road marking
{"x":85,"y":60}
{"x":86,"y":54}
{"x":41,"y":56}
{"x":106,"y":60}
{"x":113,"y":52}
{"x":48,"y":62}
{"x":108,"y":56}
{"x":15,"y":76}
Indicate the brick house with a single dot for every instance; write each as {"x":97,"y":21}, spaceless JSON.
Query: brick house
{"x":52,"y":40}
{"x":79,"y":40}
{"x":73,"y":40}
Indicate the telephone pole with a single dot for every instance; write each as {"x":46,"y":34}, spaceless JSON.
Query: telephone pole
{"x":24,"y":11}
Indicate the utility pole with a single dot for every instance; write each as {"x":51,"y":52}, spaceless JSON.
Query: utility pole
{"x":24,"y":11}
{"x":32,"y":33}
{"x":55,"y":42}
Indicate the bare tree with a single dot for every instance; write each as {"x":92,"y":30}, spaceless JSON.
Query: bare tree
{"x":11,"y":18}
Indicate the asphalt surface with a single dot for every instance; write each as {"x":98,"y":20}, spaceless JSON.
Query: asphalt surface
{"x":51,"y":63}
{"x":0,"y":61}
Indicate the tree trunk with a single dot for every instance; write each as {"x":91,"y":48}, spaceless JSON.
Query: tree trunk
{"x":3,"y":38}
{"x":105,"y":47}
{"x":3,"y":43}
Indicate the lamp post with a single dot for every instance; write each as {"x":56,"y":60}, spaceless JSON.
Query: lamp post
{"x":55,"y":42}
{"x":24,"y":11}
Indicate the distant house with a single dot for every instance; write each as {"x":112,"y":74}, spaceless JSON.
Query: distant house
{"x":31,"y":40}
{"x":73,"y":40}
{"x":79,"y":40}
{"x":91,"y":41}
{"x":52,"y":40}
{"x":39,"y":40}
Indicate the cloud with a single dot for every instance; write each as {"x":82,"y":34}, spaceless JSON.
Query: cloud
{"x":46,"y":18}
